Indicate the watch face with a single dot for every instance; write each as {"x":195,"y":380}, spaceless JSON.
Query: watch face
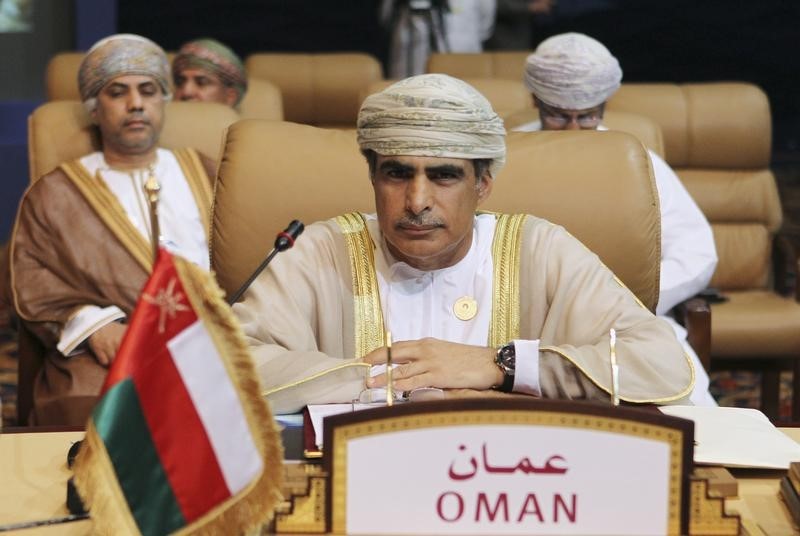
{"x":507,"y":358}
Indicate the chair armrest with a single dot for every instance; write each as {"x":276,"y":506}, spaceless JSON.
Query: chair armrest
{"x":784,"y":263}
{"x":694,"y":314}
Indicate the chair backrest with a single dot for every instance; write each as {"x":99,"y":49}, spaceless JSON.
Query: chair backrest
{"x":262,"y":101}
{"x":598,"y":185}
{"x":317,"y":89}
{"x":718,"y":137}
{"x":642,"y":127}
{"x":506,"y":97}
{"x":505,"y":65}
{"x":61,"y":76}
{"x":59,"y":131}
{"x":705,"y":125}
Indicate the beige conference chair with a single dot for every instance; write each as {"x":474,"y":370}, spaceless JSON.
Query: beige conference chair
{"x":501,"y":65}
{"x":717,"y":137}
{"x":317,"y":89}
{"x":598,"y":185}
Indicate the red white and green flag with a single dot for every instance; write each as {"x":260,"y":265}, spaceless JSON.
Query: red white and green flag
{"x":181,"y":439}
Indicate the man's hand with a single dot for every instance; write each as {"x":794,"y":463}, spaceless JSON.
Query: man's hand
{"x":104,"y":342}
{"x":472,"y":393}
{"x":436,"y":363}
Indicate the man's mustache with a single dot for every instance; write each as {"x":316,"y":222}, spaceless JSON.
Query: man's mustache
{"x":419,"y":220}
{"x":136,"y":119}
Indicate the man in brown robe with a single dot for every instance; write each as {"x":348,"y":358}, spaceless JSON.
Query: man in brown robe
{"x":82,"y":243}
{"x":481,"y":304}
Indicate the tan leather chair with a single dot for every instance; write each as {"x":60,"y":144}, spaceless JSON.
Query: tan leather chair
{"x":313,"y":174}
{"x":62,"y":130}
{"x":642,"y":127}
{"x":262,"y":100}
{"x":61,"y":76}
{"x":717,"y":137}
{"x":317,"y":89}
{"x":506,"y":97}
{"x":505,"y":65}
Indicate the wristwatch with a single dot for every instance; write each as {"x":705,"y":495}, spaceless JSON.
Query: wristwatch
{"x":506,"y":360}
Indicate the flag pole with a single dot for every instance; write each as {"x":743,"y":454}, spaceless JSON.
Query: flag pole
{"x":152,"y":189}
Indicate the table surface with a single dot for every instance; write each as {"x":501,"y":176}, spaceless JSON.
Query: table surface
{"x":33,"y":476}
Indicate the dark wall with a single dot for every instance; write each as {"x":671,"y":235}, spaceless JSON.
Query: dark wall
{"x":258,"y":25}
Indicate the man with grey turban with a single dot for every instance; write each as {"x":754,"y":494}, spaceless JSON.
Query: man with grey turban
{"x":205,"y":70}
{"x":82,"y":244}
{"x":442,"y":279}
{"x":570,"y":77}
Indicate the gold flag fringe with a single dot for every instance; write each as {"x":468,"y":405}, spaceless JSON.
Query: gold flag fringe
{"x":251,"y":508}
{"x":99,"y":489}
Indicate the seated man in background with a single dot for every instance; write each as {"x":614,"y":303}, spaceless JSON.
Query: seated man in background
{"x":571,"y":76}
{"x":443,"y":280}
{"x":206,"y":70}
{"x":82,"y":243}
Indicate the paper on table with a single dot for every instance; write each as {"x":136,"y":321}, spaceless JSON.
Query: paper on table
{"x":737,"y":437}
{"x":318,"y":412}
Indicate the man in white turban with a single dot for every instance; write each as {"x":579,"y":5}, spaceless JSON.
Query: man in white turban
{"x":570,"y":77}
{"x":82,"y":243}
{"x":477,"y":304}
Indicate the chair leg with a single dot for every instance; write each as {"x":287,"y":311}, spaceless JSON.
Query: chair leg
{"x":770,"y":392}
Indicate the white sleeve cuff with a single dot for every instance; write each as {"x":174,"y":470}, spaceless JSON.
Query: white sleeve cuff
{"x":526,"y":373}
{"x":83,"y":323}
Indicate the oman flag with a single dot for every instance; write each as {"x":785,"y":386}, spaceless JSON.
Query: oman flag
{"x":181,"y":439}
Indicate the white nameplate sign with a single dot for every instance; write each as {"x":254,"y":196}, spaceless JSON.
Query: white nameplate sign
{"x":510,"y":471}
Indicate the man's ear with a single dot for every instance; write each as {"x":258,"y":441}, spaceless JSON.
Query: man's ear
{"x":484,"y":186}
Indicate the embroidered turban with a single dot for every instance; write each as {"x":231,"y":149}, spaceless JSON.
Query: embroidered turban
{"x":214,"y":57}
{"x":572,"y":71}
{"x":432,"y":115}
{"x":119,"y":55}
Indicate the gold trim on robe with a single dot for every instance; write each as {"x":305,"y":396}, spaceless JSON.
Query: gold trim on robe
{"x":109,"y":209}
{"x":368,"y":314}
{"x":195,"y":173}
{"x":506,"y":247}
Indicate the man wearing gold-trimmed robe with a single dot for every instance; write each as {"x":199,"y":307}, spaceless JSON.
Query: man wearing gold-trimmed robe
{"x":462,"y":293}
{"x":82,"y":245}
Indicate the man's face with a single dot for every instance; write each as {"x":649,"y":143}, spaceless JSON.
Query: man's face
{"x":130,"y":114}
{"x":200,"y":85}
{"x":553,"y":118}
{"x":426,"y":207}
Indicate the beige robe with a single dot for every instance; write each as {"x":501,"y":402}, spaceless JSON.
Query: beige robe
{"x":299,"y":317}
{"x":71,"y":248}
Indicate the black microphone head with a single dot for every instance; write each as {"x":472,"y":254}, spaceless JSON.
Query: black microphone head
{"x":286,"y":238}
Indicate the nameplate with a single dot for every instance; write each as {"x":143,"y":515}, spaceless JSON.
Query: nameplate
{"x":507,"y":467}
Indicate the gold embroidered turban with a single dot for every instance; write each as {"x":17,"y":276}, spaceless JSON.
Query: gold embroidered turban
{"x":119,"y":55}
{"x":432,"y":115}
{"x":572,"y":71}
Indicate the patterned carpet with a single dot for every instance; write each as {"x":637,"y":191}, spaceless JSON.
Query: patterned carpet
{"x":740,"y":389}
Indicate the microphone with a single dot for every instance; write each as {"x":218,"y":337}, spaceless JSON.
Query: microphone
{"x":283,"y":241}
